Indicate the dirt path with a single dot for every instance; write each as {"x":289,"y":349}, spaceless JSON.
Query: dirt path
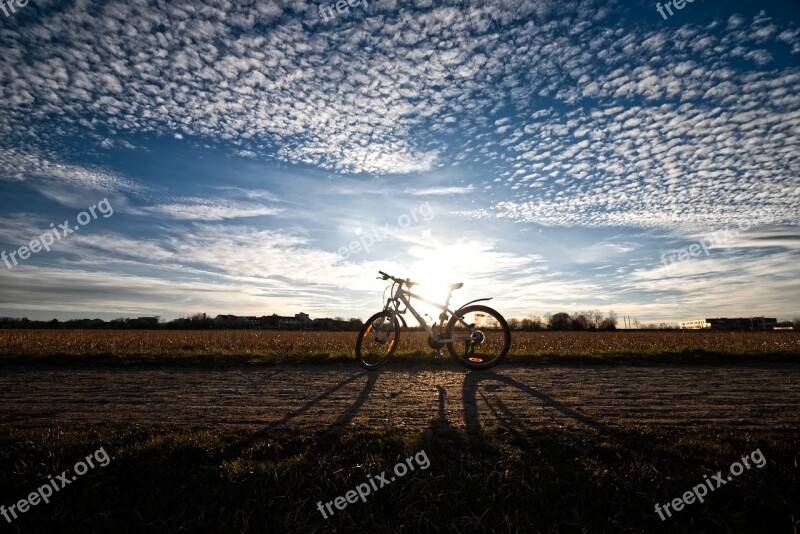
{"x":325,"y":397}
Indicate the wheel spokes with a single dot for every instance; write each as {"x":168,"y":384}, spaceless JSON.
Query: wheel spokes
{"x":481,"y":337}
{"x":378,"y":341}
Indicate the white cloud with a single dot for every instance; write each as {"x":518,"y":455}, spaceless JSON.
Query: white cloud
{"x":442,"y":191}
{"x":42,"y":172}
{"x":201,"y":209}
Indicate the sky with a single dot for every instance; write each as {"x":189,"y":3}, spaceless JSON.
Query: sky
{"x":259,"y":157}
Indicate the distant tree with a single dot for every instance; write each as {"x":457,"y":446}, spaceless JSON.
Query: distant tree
{"x":595,"y":318}
{"x":609,"y":322}
{"x":532,"y":323}
{"x":559,"y":321}
{"x":796,"y":322}
{"x":117,"y":324}
{"x":579,"y":321}
{"x":514,"y":323}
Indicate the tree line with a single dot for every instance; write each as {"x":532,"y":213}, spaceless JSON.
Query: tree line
{"x":588,"y":320}
{"x":199,"y":321}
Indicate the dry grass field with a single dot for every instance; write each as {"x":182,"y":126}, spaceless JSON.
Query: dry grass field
{"x":312,"y":345}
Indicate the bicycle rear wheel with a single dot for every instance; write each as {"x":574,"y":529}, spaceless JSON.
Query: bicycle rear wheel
{"x":377,"y":340}
{"x":483,"y":344}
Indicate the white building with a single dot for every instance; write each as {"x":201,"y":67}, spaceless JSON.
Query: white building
{"x":698,"y":324}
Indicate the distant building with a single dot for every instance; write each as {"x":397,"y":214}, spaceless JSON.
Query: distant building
{"x":699,"y":324}
{"x":299,"y":320}
{"x":234,"y":320}
{"x":724,"y":323}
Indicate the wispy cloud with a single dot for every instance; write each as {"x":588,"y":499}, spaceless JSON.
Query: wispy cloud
{"x":442,"y":191}
{"x":202,"y":209}
{"x":20,"y":166}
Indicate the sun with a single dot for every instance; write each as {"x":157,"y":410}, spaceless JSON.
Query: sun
{"x":435,"y":267}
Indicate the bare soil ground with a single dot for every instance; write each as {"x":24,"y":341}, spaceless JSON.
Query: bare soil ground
{"x":522,"y":448}
{"x":550,"y":397}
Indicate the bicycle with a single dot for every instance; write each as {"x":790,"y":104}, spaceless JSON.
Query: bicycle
{"x":476,"y":336}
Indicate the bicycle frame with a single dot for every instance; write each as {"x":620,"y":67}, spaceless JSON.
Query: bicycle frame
{"x":403,"y":296}
{"x":475,"y":342}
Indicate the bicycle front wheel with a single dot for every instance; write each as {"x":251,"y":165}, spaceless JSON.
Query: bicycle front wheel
{"x":481,"y":343}
{"x":377,"y":340}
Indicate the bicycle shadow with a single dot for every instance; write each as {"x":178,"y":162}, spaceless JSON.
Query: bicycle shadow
{"x":472,"y":420}
{"x":441,"y":424}
{"x":237,"y":448}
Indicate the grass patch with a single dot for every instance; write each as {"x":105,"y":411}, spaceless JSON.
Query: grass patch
{"x":505,"y":481}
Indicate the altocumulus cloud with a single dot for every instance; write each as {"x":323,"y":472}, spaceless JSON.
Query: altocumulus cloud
{"x":562,"y":114}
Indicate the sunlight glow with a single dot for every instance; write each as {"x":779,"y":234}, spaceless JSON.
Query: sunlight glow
{"x":437,"y":266}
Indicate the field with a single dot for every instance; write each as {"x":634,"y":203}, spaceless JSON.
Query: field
{"x":576,"y":432}
{"x":281,"y":345}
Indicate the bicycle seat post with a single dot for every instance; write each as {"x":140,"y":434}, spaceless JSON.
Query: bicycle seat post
{"x":443,"y":316}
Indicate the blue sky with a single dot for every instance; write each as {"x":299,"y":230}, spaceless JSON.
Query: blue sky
{"x":545,"y":153}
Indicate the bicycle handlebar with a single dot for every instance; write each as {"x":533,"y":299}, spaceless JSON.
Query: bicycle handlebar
{"x":386,"y":276}
{"x":405,"y":281}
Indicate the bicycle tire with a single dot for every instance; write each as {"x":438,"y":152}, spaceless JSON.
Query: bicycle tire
{"x":365,"y":358}
{"x":479,"y":362}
